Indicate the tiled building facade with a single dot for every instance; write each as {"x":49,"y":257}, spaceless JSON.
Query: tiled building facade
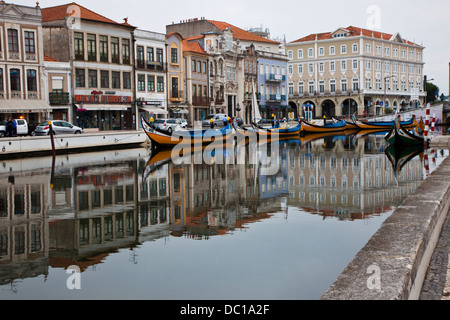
{"x":354,"y":70}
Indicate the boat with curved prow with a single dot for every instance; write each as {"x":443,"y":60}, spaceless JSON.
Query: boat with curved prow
{"x":400,"y":135}
{"x":308,"y":127}
{"x":382,"y":125}
{"x":190,"y":137}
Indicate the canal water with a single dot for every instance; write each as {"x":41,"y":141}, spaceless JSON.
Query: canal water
{"x":213,"y":224}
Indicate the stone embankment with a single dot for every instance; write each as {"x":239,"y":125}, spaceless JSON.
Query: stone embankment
{"x":393,"y":264}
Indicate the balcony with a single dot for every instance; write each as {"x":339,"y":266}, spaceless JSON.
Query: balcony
{"x":59,"y":98}
{"x":200,"y":101}
{"x":275,"y":98}
{"x":275,"y":77}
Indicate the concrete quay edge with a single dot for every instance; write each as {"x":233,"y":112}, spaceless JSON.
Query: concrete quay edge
{"x":393,"y":263}
{"x":17,"y":146}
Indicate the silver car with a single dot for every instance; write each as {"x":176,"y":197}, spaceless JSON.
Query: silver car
{"x":168,"y":125}
{"x":59,"y":127}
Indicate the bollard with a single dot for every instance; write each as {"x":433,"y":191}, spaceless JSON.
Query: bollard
{"x":50,"y":127}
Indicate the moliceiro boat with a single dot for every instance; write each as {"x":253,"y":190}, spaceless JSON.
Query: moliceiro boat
{"x":382,"y":125}
{"x":280,"y":132}
{"x":308,"y":127}
{"x":400,"y":135}
{"x":189,"y":137}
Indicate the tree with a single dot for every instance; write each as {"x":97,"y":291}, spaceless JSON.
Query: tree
{"x":432,"y":92}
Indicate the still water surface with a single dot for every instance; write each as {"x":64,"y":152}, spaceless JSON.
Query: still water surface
{"x":141,"y":226}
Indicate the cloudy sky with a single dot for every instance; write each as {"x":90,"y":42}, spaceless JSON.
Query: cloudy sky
{"x":423,"y":22}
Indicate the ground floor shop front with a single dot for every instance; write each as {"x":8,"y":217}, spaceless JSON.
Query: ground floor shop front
{"x":105,"y":118}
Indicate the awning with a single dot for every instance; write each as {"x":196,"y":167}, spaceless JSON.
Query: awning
{"x":23,"y":106}
{"x":180,"y":110}
{"x":106,"y":107}
{"x":153,"y":110}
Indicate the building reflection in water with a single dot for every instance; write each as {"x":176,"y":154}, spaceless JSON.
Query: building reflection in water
{"x":97,"y":203}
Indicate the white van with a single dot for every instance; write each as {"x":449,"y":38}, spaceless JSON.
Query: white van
{"x":217,"y":118}
{"x":22,"y":127}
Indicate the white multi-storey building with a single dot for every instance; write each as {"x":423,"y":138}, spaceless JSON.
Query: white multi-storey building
{"x":354,"y":70}
{"x":150,"y":69}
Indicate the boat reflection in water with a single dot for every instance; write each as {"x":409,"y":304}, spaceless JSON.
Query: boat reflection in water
{"x":94,"y":206}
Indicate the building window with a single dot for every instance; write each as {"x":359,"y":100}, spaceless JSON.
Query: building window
{"x":310,"y":53}
{"x":290,"y":54}
{"x":343,"y":65}
{"x":332,"y":50}
{"x":368,"y":48}
{"x":151,"y":83}
{"x":290,"y":69}
{"x":92,"y":78}
{"x":159,"y":55}
{"x":321,"y":51}
{"x":103,"y":42}
{"x":31,"y":80}
{"x":194,"y":64}
{"x":161,"y":85}
{"x":127,"y":80}
{"x":80,"y":78}
{"x":29,"y":42}
{"x":115,"y":56}
{"x":310,"y":68}
{"x":141,"y":82}
{"x":1,"y":80}
{"x":301,"y":89}
{"x":14,"y":76}
{"x":300,"y":68}
{"x":321,"y":86}
{"x":321,"y":67}
{"x":355,"y":85}
{"x":104,"y":79}
{"x":79,"y":46}
{"x":140,"y":56}
{"x":333,"y":86}
{"x":343,"y":49}
{"x":355,"y":48}
{"x":368,"y":82}
{"x":115,"y":77}
{"x":355,"y":64}
{"x":344,"y":85}
{"x":174,"y":55}
{"x":91,"y":47}
{"x":150,"y":55}
{"x":13,"y":40}
{"x":300,"y":54}
{"x":126,"y":51}
{"x":332,"y":66}
{"x":311,"y":87}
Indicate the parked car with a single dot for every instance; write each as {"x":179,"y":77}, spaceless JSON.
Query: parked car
{"x":183,"y":123}
{"x":59,"y":127}
{"x":168,"y":125}
{"x":22,"y":127}
{"x":217,"y":119}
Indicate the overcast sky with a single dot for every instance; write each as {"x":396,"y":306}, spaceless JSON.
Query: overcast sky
{"x":424,"y":22}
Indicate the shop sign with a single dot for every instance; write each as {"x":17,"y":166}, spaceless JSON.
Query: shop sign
{"x":101,"y":98}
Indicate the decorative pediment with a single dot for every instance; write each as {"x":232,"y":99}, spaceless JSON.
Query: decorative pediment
{"x":396,"y":38}
{"x":12,"y":10}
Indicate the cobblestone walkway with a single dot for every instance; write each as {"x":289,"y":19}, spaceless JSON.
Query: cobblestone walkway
{"x":437,"y":281}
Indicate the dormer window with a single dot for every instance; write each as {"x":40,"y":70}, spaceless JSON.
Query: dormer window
{"x":339,"y":35}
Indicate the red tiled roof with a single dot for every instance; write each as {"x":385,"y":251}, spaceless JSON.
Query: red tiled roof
{"x":61,"y":12}
{"x":353,"y":32}
{"x":192,"y":46}
{"x":240,"y":33}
